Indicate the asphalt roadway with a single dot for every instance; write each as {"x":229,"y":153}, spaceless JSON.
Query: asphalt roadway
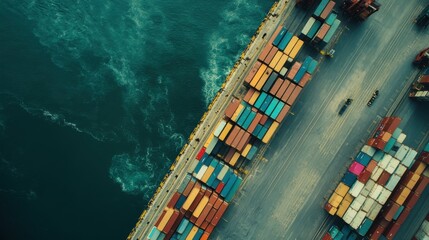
{"x":283,"y":196}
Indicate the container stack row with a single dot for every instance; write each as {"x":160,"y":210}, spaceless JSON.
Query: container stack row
{"x":321,"y":27}
{"x":403,"y":199}
{"x":421,"y":93}
{"x":334,"y":233}
{"x":386,"y":134}
{"x":369,"y":182}
{"x":423,"y":231}
{"x":192,"y":213}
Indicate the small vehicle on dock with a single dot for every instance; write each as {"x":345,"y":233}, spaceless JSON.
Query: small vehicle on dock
{"x":374,"y":96}
{"x":345,"y":106}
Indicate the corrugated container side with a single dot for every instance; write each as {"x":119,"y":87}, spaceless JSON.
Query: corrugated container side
{"x":254,"y":69}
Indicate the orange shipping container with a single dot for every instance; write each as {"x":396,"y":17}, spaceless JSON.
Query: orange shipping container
{"x":204,"y":214}
{"x":305,"y":79}
{"x":211,"y":214}
{"x":258,"y":75}
{"x":232,"y":107}
{"x":290,"y":45}
{"x":237,"y":138}
{"x":263,"y":79}
{"x":322,"y":31}
{"x":232,"y":135}
{"x":283,"y":113}
{"x":294,"y":95}
{"x":245,"y":139}
{"x":296,"y":49}
{"x":276,"y":86}
{"x":218,"y":203}
{"x":265,"y":52}
{"x":271,"y":55}
{"x":249,"y":94}
{"x":293,"y":70}
{"x":288,"y":92}
{"x":219,"y":213}
{"x":327,"y":10}
{"x":283,"y":88}
{"x":279,"y":28}
{"x":252,"y":72}
{"x":205,"y":236}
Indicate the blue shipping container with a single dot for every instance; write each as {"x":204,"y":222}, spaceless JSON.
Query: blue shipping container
{"x":154,"y":233}
{"x":364,"y":227}
{"x":277,"y":110}
{"x":182,"y":225}
{"x":279,"y":36}
{"x":257,"y":130}
{"x":272,"y":106}
{"x":249,"y":120}
{"x":228,"y":185}
{"x":180,"y":202}
{"x":184,"y":183}
{"x":363,"y":158}
{"x":266,"y":103}
{"x":401,"y":208}
{"x":320,"y":7}
{"x":260,"y":100}
{"x":286,"y":39}
{"x":233,"y":190}
{"x":349,"y":179}
{"x":352,"y":236}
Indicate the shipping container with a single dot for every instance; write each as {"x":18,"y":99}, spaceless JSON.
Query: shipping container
{"x":312,"y":66}
{"x":258,"y":75}
{"x":376,"y":191}
{"x":294,"y":95}
{"x":237,"y":112}
{"x":358,"y":202}
{"x":283,"y":88}
{"x":275,"y":88}
{"x":384,"y":195}
{"x":270,"y":132}
{"x":375,"y":210}
{"x":283,"y":113}
{"x":264,"y":53}
{"x":356,"y":222}
{"x":277,"y":110}
{"x":300,"y":74}
{"x":269,"y":82}
{"x":279,"y":36}
{"x":384,"y":177}
{"x":225,"y":131}
{"x":321,"y":33}
{"x":254,"y":69}
{"x":367,"y":205}
{"x":285,"y":41}
{"x":271,"y":55}
{"x":335,"y":200}
{"x":219,"y":128}
{"x":305,"y":79}
{"x":349,"y":179}
{"x":327,"y":10}
{"x":344,"y":205}
{"x":409,"y":158}
{"x":356,"y":168}
{"x":371,"y":166}
{"x":390,"y":210}
{"x":275,"y":59}
{"x":253,"y":98}
{"x":281,"y":63}
{"x":314,"y":28}
{"x":291,"y":45}
{"x":364,"y":228}
{"x":296,"y":49}
{"x":367,"y":188}
{"x":263,"y":78}
{"x":393,"y":181}
{"x":356,"y":188}
{"x":320,"y":7}
{"x":307,"y":26}
{"x":364,"y":176}
{"x":332,"y":31}
{"x":249,"y":94}
{"x":349,"y":215}
{"x":363,"y":158}
{"x":331,"y":18}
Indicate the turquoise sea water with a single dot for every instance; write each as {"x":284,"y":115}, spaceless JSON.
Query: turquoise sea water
{"x":96,"y":100}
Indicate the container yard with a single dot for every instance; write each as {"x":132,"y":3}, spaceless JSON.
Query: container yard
{"x":265,"y":156}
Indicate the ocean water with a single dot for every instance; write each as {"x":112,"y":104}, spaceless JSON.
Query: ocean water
{"x":96,"y":100}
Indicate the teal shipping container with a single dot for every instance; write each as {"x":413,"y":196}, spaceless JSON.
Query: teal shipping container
{"x":286,"y":39}
{"x":260,"y":100}
{"x":314,"y":29}
{"x":228,"y":185}
{"x":249,"y":120}
{"x":331,"y":31}
{"x":279,"y":37}
{"x":320,"y":7}
{"x":266,"y":103}
{"x":272,"y":106}
{"x":277,"y":110}
{"x":234,"y":189}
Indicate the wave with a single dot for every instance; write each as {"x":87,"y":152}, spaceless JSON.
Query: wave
{"x":239,"y":20}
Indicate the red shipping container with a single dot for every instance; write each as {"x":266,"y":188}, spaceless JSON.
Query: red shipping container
{"x":424,"y":157}
{"x":421,"y":184}
{"x":220,"y":187}
{"x":175,"y":225}
{"x":327,"y":236}
{"x":160,"y":218}
{"x":173,"y":200}
{"x":204,"y":225}
{"x":411,"y":200}
{"x":403,"y":216}
{"x":232,"y":135}
{"x":377,"y":143}
{"x":389,"y":211}
{"x":201,"y":153}
{"x":244,"y":141}
{"x":229,"y":155}
{"x":232,"y":106}
{"x":189,"y":188}
{"x":218,"y":203}
{"x":293,"y":70}
{"x":283,"y":88}
{"x":288,"y":92}
{"x":252,"y":72}
{"x":392,"y":230}
{"x":294,"y":95}
{"x":237,"y":138}
{"x":210,"y":228}
{"x":254,"y":123}
{"x":382,"y":124}
{"x":384,"y":177}
{"x":219,"y":213}
{"x":249,"y":94}
{"x":171,"y":222}
{"x":204,"y":214}
{"x":392,"y":125}
{"x":211,"y":214}
{"x":263,"y":119}
{"x":364,"y":176}
{"x":283,"y":113}
{"x":376,"y":232}
{"x":305,"y":79}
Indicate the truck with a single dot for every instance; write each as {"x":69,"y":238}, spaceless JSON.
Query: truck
{"x":361,"y":9}
{"x":422,"y":58}
{"x":345,"y":106}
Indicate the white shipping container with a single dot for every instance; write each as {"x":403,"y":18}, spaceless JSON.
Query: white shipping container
{"x":425,"y":226}
{"x":308,"y":25}
{"x":409,"y":158}
{"x":375,"y":192}
{"x":393,"y":181}
{"x":219,"y":128}
{"x":375,"y":175}
{"x":193,"y":165}
{"x":385,"y":161}
{"x":375,"y":210}
{"x":222,"y":172}
{"x":393,"y":164}
{"x":370,"y":151}
{"x":212,"y":144}
{"x":357,"y":202}
{"x":358,"y":219}
{"x":400,"y":170}
{"x":367,"y":188}
{"x":349,"y":215}
{"x":401,"y":138}
{"x":421,"y":235}
{"x":201,"y":172}
{"x":356,"y":188}
{"x":402,"y":151}
{"x":283,"y":71}
{"x":368,"y":204}
{"x":384,"y":195}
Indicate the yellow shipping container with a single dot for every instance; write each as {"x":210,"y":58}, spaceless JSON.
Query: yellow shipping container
{"x":296,"y":49}
{"x":207,"y":174}
{"x":401,"y":199}
{"x":238,"y":111}
{"x":234,"y":159}
{"x":246,"y":150}
{"x":258,"y":75}
{"x":191,"y":198}
{"x":335,"y":200}
{"x":332,"y":211}
{"x":420,"y":168}
{"x":413,"y":181}
{"x":276,"y":59}
{"x":192,"y":233}
{"x":343,"y":207}
{"x":270,"y":132}
{"x":208,"y":141}
{"x":200,"y":206}
{"x":225,"y":131}
{"x":290,"y":45}
{"x":263,"y":79}
{"x":281,"y":63}
{"x":165,"y":219}
{"x":342,"y":189}
{"x":254,"y":97}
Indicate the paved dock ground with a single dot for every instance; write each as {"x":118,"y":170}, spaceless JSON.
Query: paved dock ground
{"x":283,"y":196}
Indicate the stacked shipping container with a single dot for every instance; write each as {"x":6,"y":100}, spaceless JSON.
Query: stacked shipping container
{"x":403,"y":199}
{"x":371,"y":178}
{"x":423,"y":231}
{"x":321,"y":27}
{"x":420,"y":90}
